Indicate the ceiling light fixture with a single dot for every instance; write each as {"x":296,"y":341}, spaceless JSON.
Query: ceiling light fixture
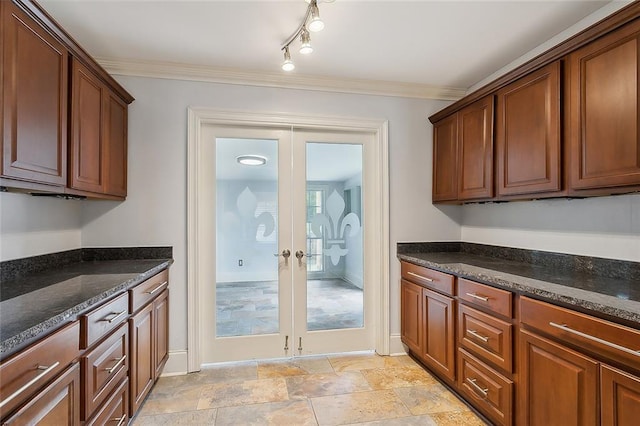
{"x":305,"y":39}
{"x":288,"y":64}
{"x":311,"y":22}
{"x":251,"y":160}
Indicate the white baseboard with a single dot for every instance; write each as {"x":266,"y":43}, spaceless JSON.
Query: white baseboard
{"x":176,"y":364}
{"x":396,"y":347}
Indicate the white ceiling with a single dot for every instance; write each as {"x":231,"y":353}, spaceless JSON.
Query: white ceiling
{"x":438,"y":43}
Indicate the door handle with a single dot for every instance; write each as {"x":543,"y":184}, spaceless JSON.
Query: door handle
{"x":299,"y":254}
{"x":285,"y":253}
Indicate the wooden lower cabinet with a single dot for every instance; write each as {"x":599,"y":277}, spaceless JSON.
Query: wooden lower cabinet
{"x":490,"y":391}
{"x":142,"y":368}
{"x":57,"y":404}
{"x":411,"y":318}
{"x":438,"y":334}
{"x":557,"y":385}
{"x":103,"y":368}
{"x":161,"y":331}
{"x":619,"y":396}
{"x":115,"y":411}
{"x":149,"y":346}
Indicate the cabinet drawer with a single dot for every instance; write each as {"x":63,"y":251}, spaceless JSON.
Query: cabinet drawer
{"x":488,"y":390}
{"x":103,"y":368}
{"x":26,"y":372}
{"x":491,"y":298}
{"x":144,"y":292}
{"x":114,"y":411}
{"x":428,"y":277}
{"x":57,"y":404}
{"x":599,"y":337}
{"x":487,"y":336}
{"x":99,"y":322}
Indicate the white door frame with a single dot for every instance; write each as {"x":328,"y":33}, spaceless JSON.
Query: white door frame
{"x":198,"y":117}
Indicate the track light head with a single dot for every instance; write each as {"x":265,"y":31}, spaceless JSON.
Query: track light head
{"x":288,"y":64}
{"x":305,"y":40}
{"x":316,"y":23}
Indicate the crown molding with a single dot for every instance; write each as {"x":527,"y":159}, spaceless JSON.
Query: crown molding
{"x":179,"y":71}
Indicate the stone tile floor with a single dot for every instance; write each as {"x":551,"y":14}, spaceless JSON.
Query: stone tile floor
{"x":250,"y":308}
{"x":329,"y":390}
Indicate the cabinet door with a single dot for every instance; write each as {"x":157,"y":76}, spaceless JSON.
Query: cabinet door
{"x":528,"y":134}
{"x":445,"y":159}
{"x":34,"y":97}
{"x":57,"y":404}
{"x":142,"y":356}
{"x":438,"y":339}
{"x":475,"y":150}
{"x":161,"y":335}
{"x":115,"y":127}
{"x":620,"y":396}
{"x":87,"y":150}
{"x":558,"y":385}
{"x":411,"y":315}
{"x":603,"y":125}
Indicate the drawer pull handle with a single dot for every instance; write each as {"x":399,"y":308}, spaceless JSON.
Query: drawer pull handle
{"x":478,"y":335}
{"x":46,"y":370}
{"x":483,"y":391}
{"x":113,"y":316}
{"x":420,"y":276}
{"x":475,"y":296}
{"x":120,"y":420}
{"x":116,"y":365}
{"x":157,"y":288}
{"x":594,"y":338}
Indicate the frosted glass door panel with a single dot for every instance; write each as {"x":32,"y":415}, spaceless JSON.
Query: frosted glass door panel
{"x":247,"y":288}
{"x":335,"y":290}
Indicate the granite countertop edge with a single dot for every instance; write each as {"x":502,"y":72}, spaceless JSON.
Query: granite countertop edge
{"x":587,"y":300}
{"x":12,"y":343}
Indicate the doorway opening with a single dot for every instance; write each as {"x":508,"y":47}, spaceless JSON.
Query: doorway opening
{"x":289,"y":262}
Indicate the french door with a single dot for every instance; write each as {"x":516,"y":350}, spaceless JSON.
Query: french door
{"x":288,"y":243}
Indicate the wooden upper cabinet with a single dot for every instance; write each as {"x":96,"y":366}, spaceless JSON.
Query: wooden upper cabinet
{"x":99,"y":139}
{"x":445,"y":159}
{"x":603,"y":112}
{"x":116,"y":144}
{"x":528,"y":140}
{"x":87,"y":147}
{"x":475,"y":150}
{"x":34,"y":95}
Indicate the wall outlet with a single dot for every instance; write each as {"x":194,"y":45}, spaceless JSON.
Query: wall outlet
{"x":240,"y":262}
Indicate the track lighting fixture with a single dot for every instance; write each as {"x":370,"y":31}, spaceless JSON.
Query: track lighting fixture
{"x":311,"y":22}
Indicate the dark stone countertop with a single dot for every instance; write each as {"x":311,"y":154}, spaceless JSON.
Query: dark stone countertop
{"x":36,"y":304}
{"x":614,"y":298}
